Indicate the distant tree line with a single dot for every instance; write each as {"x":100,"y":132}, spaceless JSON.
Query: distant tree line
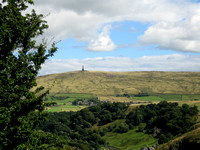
{"x":57,"y":98}
{"x":90,"y":101}
{"x":135,"y":95}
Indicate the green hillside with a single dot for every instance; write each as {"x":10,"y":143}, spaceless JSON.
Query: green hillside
{"x":112,"y":83}
{"x":189,"y":140}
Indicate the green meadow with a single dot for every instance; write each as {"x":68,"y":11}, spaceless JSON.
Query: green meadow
{"x":64,"y":101}
{"x":132,"y":140}
{"x":168,"y":97}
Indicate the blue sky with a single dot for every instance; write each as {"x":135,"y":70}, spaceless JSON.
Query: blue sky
{"x":128,"y":35}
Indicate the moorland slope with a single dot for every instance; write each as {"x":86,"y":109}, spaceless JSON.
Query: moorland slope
{"x":112,"y":83}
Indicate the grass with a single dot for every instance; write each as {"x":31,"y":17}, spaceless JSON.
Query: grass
{"x":53,"y":109}
{"x":67,"y":98}
{"x":130,"y":140}
{"x":198,"y":105}
{"x":65,"y":103}
{"x":148,"y":98}
{"x":169,"y":97}
{"x":64,"y":108}
{"x":112,"y":83}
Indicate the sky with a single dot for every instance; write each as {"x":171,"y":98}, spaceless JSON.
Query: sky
{"x":122,"y":35}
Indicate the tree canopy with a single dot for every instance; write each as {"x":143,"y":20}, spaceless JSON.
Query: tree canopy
{"x":164,"y":119}
{"x":21,"y":58}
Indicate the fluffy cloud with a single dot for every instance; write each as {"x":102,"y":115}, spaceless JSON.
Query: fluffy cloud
{"x":175,"y":62}
{"x":142,"y":10}
{"x":173,"y":24}
{"x":103,"y":41}
{"x":183,"y":35}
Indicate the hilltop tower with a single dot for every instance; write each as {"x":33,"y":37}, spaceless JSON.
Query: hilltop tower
{"x":83,"y":68}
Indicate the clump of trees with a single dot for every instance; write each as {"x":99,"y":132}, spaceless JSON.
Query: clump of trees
{"x":135,"y":95}
{"x":164,"y":119}
{"x":75,"y":127}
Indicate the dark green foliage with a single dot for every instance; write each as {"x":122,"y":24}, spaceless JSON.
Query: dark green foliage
{"x":135,"y":95}
{"x":78,"y":135}
{"x":190,"y":141}
{"x":141,"y":94}
{"x":141,"y":127}
{"x":126,"y":95}
{"x":111,"y":112}
{"x":164,"y":119}
{"x":20,"y":60}
{"x":135,"y":117}
{"x":47,"y":104}
{"x":110,"y":128}
{"x":59,"y":97}
{"x":122,"y":128}
{"x":105,"y":117}
{"x":164,"y":138}
{"x":76,"y":126}
{"x":44,"y":141}
{"x":103,"y":132}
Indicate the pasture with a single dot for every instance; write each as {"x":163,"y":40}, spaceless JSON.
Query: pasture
{"x":130,"y":140}
{"x":64,"y":101}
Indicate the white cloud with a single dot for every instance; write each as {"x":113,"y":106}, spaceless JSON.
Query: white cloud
{"x":183,"y":35}
{"x":64,"y":24}
{"x":173,"y":24}
{"x":103,"y":41}
{"x":175,"y":62}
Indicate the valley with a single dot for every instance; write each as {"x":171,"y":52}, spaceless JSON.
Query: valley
{"x":82,"y":90}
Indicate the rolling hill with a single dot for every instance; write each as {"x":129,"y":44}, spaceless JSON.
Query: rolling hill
{"x":112,"y":83}
{"x":189,"y":140}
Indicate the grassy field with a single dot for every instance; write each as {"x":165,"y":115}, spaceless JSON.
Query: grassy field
{"x":169,"y":97}
{"x":64,"y":101}
{"x":130,"y":140}
{"x":64,"y":108}
{"x":148,"y":98}
{"x":112,"y":83}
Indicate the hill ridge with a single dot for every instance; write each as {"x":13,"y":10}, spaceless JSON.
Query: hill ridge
{"x":112,"y":83}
